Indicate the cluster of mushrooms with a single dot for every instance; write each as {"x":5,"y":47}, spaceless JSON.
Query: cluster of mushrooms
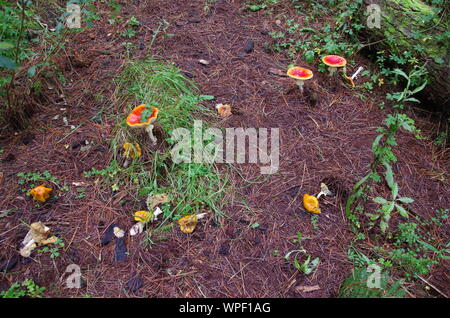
{"x":334,"y":63}
{"x":143,"y":116}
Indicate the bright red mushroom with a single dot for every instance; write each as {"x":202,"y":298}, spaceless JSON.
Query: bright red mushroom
{"x":334,"y":62}
{"x":300,"y":74}
{"x":142,"y":116}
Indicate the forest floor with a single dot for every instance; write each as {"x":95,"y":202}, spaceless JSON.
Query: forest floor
{"x":325,"y":141}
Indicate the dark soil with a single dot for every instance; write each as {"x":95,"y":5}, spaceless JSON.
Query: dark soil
{"x":328,"y":142}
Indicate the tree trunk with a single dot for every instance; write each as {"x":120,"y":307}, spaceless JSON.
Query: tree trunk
{"x":402,"y":28}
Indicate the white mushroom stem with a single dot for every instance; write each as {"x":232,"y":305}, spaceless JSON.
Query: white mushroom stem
{"x":325,"y":193}
{"x":332,"y":70}
{"x":201,"y":216}
{"x":137,"y":229}
{"x":357,"y":72}
{"x":157,"y":212}
{"x":320,"y":194}
{"x":149,"y":129}
{"x":26,"y":250}
{"x":300,"y":85}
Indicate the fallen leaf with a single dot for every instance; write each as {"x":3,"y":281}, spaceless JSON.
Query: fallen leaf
{"x":154,"y":200}
{"x":9,"y":264}
{"x":277,"y":72}
{"x":306,"y":289}
{"x":135,"y":283}
{"x":79,"y":184}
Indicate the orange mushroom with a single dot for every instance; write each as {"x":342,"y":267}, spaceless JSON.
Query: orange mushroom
{"x":142,"y":116}
{"x":334,"y":62}
{"x":300,"y":74}
{"x":311,"y":204}
{"x":40,"y":193}
{"x":224,"y":110}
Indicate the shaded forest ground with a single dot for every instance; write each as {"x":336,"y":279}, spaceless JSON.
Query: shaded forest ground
{"x":328,"y":142}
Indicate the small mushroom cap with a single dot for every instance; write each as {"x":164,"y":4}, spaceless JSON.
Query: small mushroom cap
{"x":224,"y":110}
{"x":132,"y":150}
{"x":118,"y":232}
{"x":334,"y":60}
{"x":188,"y":223}
{"x":134,"y":118}
{"x":311,"y":204}
{"x":300,"y":73}
{"x":143,"y":216}
{"x":40,"y":193}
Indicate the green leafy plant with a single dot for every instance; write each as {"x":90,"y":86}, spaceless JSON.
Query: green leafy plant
{"x":53,"y":251}
{"x":27,"y":288}
{"x":388,"y":206}
{"x":382,"y":155}
{"x":30,"y":180}
{"x":257,"y":5}
{"x":308,"y":266}
{"x":400,"y":98}
{"x":134,"y":22}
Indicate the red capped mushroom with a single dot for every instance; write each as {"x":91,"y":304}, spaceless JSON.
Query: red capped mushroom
{"x":143,"y":116}
{"x":300,"y":74}
{"x":334,"y":62}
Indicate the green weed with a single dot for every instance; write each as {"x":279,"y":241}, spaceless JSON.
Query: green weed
{"x":356,"y":286}
{"x":27,"y":288}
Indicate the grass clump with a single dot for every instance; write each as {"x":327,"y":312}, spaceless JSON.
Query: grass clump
{"x":192,"y":187}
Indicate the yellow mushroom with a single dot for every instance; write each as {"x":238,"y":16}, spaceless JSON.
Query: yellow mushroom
{"x":143,"y":216}
{"x":189,"y":222}
{"x":132,"y":150}
{"x":311,"y":204}
{"x":40,"y":193}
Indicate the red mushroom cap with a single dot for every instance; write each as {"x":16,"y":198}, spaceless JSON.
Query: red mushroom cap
{"x":300,"y":73}
{"x":134,"y":118}
{"x":334,"y":60}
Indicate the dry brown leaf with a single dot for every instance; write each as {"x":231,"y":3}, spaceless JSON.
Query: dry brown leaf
{"x":155,"y":200}
{"x":306,"y":289}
